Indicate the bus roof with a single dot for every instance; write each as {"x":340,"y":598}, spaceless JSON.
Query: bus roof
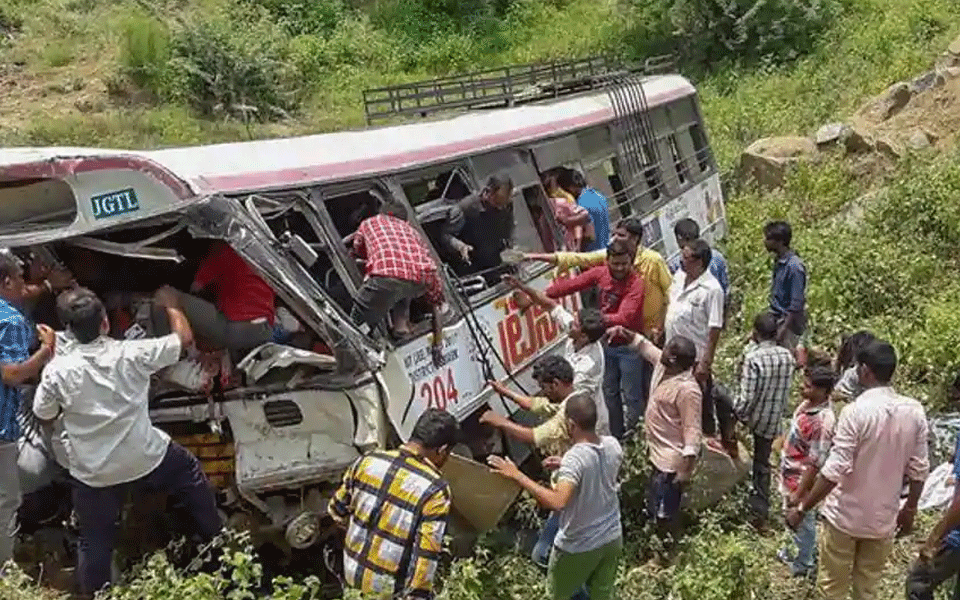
{"x":244,"y":167}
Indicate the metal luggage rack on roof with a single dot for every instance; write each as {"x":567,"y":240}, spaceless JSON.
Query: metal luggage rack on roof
{"x":504,"y":86}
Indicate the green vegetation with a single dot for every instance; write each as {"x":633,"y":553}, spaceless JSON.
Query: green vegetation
{"x":193,"y":71}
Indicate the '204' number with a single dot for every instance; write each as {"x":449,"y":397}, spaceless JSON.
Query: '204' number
{"x":439,"y":393}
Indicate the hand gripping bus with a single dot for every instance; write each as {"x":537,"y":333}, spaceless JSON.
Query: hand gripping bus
{"x":276,"y":430}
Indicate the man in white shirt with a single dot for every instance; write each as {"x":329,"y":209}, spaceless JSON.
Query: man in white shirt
{"x":582,"y":348}
{"x":696,"y":313}
{"x":100,"y":389}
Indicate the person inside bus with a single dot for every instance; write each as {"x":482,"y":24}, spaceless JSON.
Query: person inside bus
{"x":621,"y":300}
{"x":573,"y":218}
{"x":242,"y":314}
{"x":593,"y":201}
{"x":475,"y":229}
{"x":399,"y":268}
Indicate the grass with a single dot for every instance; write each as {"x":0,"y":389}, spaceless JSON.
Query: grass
{"x":892,"y":273}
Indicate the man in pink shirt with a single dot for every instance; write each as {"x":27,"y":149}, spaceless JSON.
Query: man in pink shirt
{"x":880,"y":437}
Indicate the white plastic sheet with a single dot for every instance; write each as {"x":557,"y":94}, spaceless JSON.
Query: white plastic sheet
{"x":938,"y":488}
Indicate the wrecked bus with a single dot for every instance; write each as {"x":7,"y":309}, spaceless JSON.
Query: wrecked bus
{"x":276,"y":430}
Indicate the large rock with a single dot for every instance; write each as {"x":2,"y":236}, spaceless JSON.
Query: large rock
{"x":920,"y":139}
{"x":954,"y":47}
{"x":860,"y":141}
{"x":895,"y":99}
{"x":767,"y":161}
{"x":928,"y":80}
{"x":832,"y":133}
{"x":950,"y":58}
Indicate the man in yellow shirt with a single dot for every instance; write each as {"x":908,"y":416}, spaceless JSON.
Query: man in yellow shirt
{"x":651,"y":267}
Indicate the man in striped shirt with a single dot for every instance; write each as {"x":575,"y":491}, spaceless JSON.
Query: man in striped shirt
{"x":765,"y":380}
{"x":394,"y":505}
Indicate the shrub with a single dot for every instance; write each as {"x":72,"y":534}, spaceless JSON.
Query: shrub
{"x":235,"y":62}
{"x":317,"y":17}
{"x":11,"y":19}
{"x":145,"y":51}
{"x":705,"y":33}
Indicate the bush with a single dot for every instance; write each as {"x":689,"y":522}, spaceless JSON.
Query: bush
{"x":705,"y":33}
{"x":235,"y":62}
{"x":145,"y":51}
{"x":11,"y":19}
{"x":316,"y":17}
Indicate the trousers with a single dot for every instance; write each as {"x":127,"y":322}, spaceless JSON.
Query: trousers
{"x":98,"y":511}
{"x":849,"y":564}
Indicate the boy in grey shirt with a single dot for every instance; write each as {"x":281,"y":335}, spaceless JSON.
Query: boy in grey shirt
{"x":587,"y":548}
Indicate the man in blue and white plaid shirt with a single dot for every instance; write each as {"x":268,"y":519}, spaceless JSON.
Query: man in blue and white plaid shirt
{"x":17,"y":365}
{"x":765,"y":381}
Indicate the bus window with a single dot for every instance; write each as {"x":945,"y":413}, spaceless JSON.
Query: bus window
{"x":679,"y":164}
{"x":36,"y":204}
{"x":539,"y":208}
{"x":285,"y":219}
{"x":349,"y":210}
{"x":700,"y":147}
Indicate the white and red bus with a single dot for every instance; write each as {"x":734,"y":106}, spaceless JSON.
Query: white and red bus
{"x":277,"y":442}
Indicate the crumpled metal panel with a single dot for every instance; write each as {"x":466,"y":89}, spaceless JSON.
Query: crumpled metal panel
{"x":317,"y":449}
{"x":269,"y":356}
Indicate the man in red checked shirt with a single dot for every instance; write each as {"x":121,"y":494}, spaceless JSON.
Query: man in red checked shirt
{"x":399,"y":268}
{"x":621,"y":303}
{"x":241,"y":317}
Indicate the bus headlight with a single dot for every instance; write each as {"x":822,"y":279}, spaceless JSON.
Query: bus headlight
{"x":303,"y":531}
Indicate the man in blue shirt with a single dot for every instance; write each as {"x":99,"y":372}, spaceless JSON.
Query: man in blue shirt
{"x":687,"y":230}
{"x":939,"y":558}
{"x":788,"y":287}
{"x":17,"y":366}
{"x":593,"y":201}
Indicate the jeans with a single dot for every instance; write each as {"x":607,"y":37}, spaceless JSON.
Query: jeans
{"x":379,"y":296}
{"x":805,"y":540}
{"x":664,"y":495}
{"x":213,"y":327}
{"x":98,"y":511}
{"x":622,"y":375}
{"x":541,"y":551}
{"x":544,"y":547}
{"x":718,"y":402}
{"x":925,"y":578}
{"x":9,"y":499}
{"x":760,"y":494}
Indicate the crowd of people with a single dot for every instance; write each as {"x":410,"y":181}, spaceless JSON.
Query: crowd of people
{"x":637,"y":361}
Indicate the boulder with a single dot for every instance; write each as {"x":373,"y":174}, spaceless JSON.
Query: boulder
{"x":928,"y":80}
{"x":954,"y":47}
{"x":890,"y":147}
{"x":767,"y":160}
{"x":832,"y":133}
{"x":895,"y":99}
{"x":859,"y":141}
{"x":920,"y":140}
